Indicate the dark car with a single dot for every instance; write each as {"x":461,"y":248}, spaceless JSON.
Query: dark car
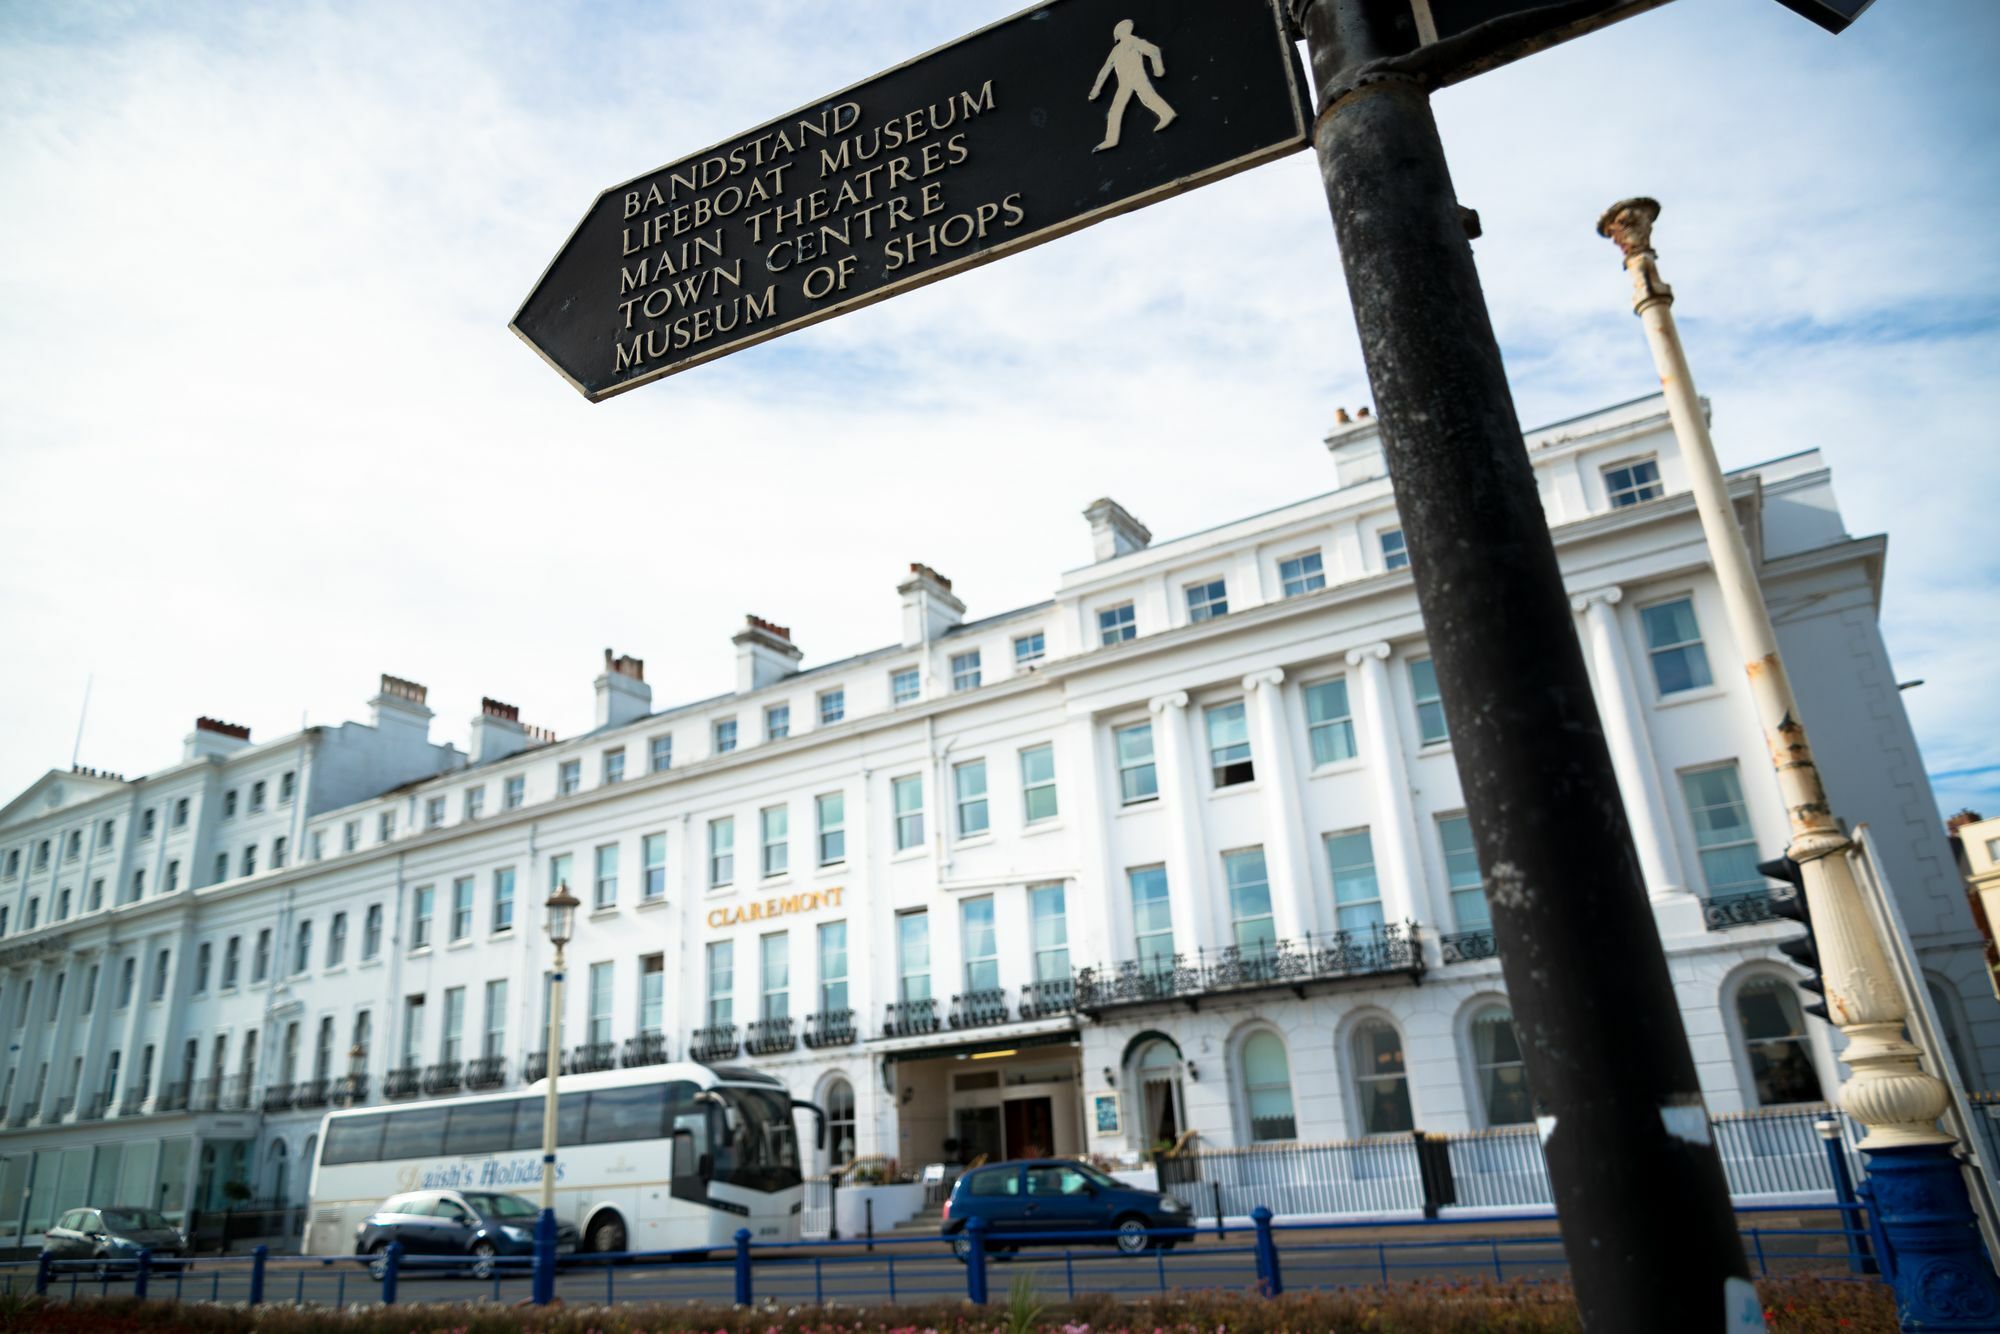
{"x":1023,"y":1203}
{"x":113,"y":1234}
{"x":480,"y":1225}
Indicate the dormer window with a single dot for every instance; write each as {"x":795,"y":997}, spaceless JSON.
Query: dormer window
{"x":1632,"y":482}
{"x":1207,"y":600}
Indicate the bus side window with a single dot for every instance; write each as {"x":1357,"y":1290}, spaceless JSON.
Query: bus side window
{"x":569,"y":1119}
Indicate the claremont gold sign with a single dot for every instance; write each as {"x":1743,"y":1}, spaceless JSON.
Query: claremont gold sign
{"x":763,"y":910}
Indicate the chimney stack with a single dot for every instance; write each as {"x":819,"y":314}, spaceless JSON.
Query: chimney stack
{"x":929,"y":609}
{"x":497,"y":732}
{"x":765,"y":654}
{"x":398,"y":709}
{"x":1356,"y":445}
{"x":1113,"y":530}
{"x":622,"y":693}
{"x":212,"y":736}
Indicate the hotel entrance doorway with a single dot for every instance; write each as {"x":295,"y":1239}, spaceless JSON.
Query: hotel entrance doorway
{"x":1017,"y":1128}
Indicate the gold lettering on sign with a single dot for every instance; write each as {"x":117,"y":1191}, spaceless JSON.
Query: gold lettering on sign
{"x":760,"y":910}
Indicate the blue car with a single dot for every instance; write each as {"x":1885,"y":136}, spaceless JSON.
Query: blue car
{"x":1041,"y":1200}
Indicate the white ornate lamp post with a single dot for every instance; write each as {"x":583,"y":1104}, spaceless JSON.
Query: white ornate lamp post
{"x":1941,"y":1275}
{"x":561,"y":908}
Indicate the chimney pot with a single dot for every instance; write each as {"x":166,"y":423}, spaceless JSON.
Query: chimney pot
{"x":765,"y":654}
{"x":493,"y":708}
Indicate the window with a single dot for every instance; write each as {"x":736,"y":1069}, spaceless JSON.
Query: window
{"x":260,"y":962}
{"x":1049,"y":925}
{"x":840,"y":1123}
{"x":909,"y":802}
{"x":775,"y":956}
{"x":606,"y":880}
{"x":723,"y":734}
{"x":249,"y":868}
{"x":721,"y":983}
{"x":73,"y":845}
{"x":1357,"y":896}
{"x":1329,"y":722}
{"x":514,"y":792}
{"x":777,"y":722}
{"x":721,"y":851}
{"x":968,"y":781}
{"x":598,"y":1030}
{"x":1138,"y":780}
{"x":832,"y":706}
{"x":1431,"y":728}
{"x":96,"y":897}
{"x":475,"y":802}
{"x":503,"y":899}
{"x":302,"y":940}
{"x":559,"y":870}
{"x":1304,"y":573}
{"x":420,"y":917}
{"x":1722,"y":830}
{"x":316,"y":844}
{"x":257,"y":796}
{"x":62,"y":906}
{"x":42,"y":855}
{"x":371,"y":932}
{"x":1630,"y":483}
{"x":280,"y":850}
{"x":652,"y":992}
{"x":461,"y":908}
{"x":125,"y":972}
{"x":1498,"y":1071}
{"x":1206,"y":601}
{"x":413,"y":1028}
{"x":1115,"y":625}
{"x":774,"y":839}
{"x":1395,"y":553}
{"x":336,"y":940}
{"x":980,"y":942}
{"x":1229,"y":744}
{"x":965,"y":670}
{"x":1382,"y":1088}
{"x":204,"y":954}
{"x":1038,"y":784}
{"x":287,"y":784}
{"x":433,"y":812}
{"x":494,"y":1044}
{"x":385,"y":827}
{"x":1267,"y":1088}
{"x":364,"y":1032}
{"x":662,"y":753}
{"x":350,"y":836}
{"x":221,"y":866}
{"x":832,"y":968}
{"x":13,"y":862}
{"x":180,"y":812}
{"x":451,"y":1049}
{"x":1152,"y":917}
{"x":653,"y":852}
{"x":913,"y":956}
{"x":569,"y":777}
{"x":613,"y":770}
{"x":1673,"y":642}
{"x":1030,"y":649}
{"x":1250,"y":900}
{"x":229,"y":804}
{"x":904,"y":686}
{"x":161,"y":960}
{"x":232,"y":961}
{"x":831,"y":810}
{"x":1774,"y":1040}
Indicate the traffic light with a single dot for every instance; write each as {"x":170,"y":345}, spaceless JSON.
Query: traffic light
{"x":1790,"y":902}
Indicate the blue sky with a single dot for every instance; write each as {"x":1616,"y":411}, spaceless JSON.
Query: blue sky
{"x":264,"y":434}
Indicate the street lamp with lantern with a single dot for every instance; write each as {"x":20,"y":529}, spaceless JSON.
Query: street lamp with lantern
{"x":561,"y":908}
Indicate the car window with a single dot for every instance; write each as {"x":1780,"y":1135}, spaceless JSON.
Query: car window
{"x":416,"y":1206}
{"x":452,"y":1211}
{"x":68,"y":1220}
{"x":996,"y":1181}
{"x":89,"y":1221}
{"x":1057,"y":1181}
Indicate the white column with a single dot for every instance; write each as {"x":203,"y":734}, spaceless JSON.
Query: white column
{"x":1187,"y":886}
{"x":62,"y":1022}
{"x":1106,"y":934}
{"x":128,"y":1061}
{"x":1631,"y":747}
{"x":1393,"y":829}
{"x":1291,"y":902}
{"x":19,"y":1027}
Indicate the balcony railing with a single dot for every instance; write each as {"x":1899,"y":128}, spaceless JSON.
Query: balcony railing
{"x":94,"y":1108}
{"x":488,"y":1072}
{"x":1045,"y":1000}
{"x":649,"y":1048}
{"x":202,"y":1097}
{"x":173,"y":1098}
{"x":769,"y":1037}
{"x":349,"y":1092}
{"x":830,"y":1028}
{"x":403,"y":1082}
{"x":1271,"y":964}
{"x":278,"y":1098}
{"x":980,"y":1008}
{"x":444,"y":1077}
{"x":910,"y":1018}
{"x":1745,"y":909}
{"x":132,"y":1103}
{"x":1468,"y":946}
{"x":235,"y":1094}
{"x":535,"y":1067}
{"x":64,"y":1108}
{"x":717,"y":1043}
{"x":309,"y":1094}
{"x":591,"y":1057}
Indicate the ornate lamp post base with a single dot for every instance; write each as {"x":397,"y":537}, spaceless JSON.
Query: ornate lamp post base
{"x":1941,"y":1273}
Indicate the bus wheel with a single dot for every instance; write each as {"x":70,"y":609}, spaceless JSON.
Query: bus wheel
{"x":607,"y":1234}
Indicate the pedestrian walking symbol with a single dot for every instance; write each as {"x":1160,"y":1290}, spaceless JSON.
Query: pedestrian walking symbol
{"x":1128,"y":60}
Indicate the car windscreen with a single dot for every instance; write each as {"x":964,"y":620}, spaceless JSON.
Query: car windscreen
{"x":134,"y":1220}
{"x":501,"y":1206}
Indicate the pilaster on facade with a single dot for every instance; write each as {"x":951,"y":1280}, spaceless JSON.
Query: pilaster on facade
{"x":70,"y":969}
{"x":1180,"y":794}
{"x":1103,"y":936}
{"x":1405,"y":897}
{"x":1291,"y":882}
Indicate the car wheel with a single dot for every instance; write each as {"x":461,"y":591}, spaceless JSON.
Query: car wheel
{"x":606,"y":1234}
{"x":482,"y":1259}
{"x":378,"y":1261}
{"x":961,"y":1246}
{"x":1131,"y":1235}
{"x":103,"y":1270}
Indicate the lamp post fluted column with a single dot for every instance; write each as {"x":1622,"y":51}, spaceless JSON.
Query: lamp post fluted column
{"x":561,"y":909}
{"x":1942,"y":1278}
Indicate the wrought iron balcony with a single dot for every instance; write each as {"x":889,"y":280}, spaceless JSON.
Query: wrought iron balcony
{"x":590,"y":1057}
{"x":132,"y":1103}
{"x":535,"y":1067}
{"x":1289,"y":964}
{"x":64,"y":1108}
{"x":1745,"y":909}
{"x":25,"y":1116}
{"x":981,"y":1008}
{"x":649,"y":1048}
{"x":910,"y":1018}
{"x":309,"y":1094}
{"x":444,"y":1077}
{"x":93,"y":1109}
{"x":488,"y":1072}
{"x":349,"y":1092}
{"x":202,"y":1097}
{"x":403,"y":1082}
{"x":716,"y":1043}
{"x":1045,"y":1000}
{"x":278,"y":1098}
{"x":235,"y":1094}
{"x":831,"y":1028}
{"x":769,"y":1037}
{"x":173,"y":1098}
{"x":1468,"y":946}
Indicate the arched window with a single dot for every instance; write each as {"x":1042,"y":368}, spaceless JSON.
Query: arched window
{"x":1157,"y":1073}
{"x":1497,"y":1069}
{"x":1382,"y":1088}
{"x":278,"y":1171}
{"x":840,"y":1123}
{"x":1774,"y":1040}
{"x":1267,"y":1088}
{"x":308,"y":1154}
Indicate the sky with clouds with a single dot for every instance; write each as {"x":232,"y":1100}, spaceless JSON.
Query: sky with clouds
{"x":264,"y":433}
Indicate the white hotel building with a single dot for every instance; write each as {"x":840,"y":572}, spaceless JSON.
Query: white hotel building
{"x":1180,"y":849}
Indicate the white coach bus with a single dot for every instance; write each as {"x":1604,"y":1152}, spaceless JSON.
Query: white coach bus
{"x":653,"y":1158}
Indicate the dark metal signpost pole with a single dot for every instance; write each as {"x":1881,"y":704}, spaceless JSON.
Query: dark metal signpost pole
{"x":1644,"y":1209}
